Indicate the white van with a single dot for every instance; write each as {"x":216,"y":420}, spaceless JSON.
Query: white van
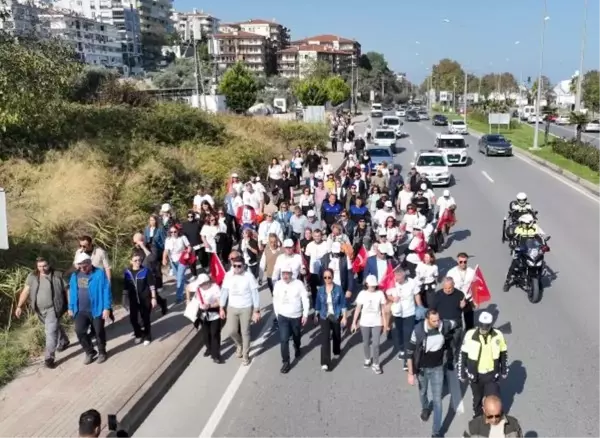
{"x":526,"y":111}
{"x":392,"y":122}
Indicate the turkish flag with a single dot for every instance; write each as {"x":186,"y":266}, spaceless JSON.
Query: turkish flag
{"x":360,"y":261}
{"x":479,"y":288}
{"x":217,"y":271}
{"x":388,"y":280}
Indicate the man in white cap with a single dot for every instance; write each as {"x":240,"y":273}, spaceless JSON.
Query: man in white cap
{"x":313,"y":223}
{"x":258,"y":185}
{"x":444,"y":202}
{"x":382,"y":214}
{"x":291,"y":306}
{"x":483,"y":360}
{"x":167,"y":217}
{"x":253,"y":198}
{"x":289,"y":259}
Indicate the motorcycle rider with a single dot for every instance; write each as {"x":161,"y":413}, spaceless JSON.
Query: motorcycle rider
{"x":519,"y":206}
{"x":527,"y":229}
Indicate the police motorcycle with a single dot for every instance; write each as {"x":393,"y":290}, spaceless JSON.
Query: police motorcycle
{"x":528,"y":266}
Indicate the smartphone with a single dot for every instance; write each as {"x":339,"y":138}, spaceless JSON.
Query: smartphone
{"x":112,"y":423}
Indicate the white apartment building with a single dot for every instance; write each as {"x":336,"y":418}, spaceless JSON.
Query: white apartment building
{"x":95,"y":43}
{"x":249,"y":48}
{"x":120,"y":13}
{"x":194,"y":24}
{"x":21,"y":17}
{"x":333,"y":42}
{"x":278,"y":34}
{"x":295,"y":61}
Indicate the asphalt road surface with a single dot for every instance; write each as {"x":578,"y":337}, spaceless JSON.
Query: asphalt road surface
{"x":568,"y":131}
{"x":553,"y":346}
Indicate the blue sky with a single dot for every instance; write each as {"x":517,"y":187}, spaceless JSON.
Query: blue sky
{"x":480,"y":32}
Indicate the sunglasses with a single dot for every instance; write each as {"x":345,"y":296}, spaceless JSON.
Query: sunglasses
{"x":237,"y":266}
{"x":462,"y":262}
{"x":493,"y":417}
{"x":172,"y":232}
{"x":327,"y":277}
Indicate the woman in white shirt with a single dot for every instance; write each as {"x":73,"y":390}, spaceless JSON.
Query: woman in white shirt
{"x":427,"y":274}
{"x":208,"y":233}
{"x":208,"y":295}
{"x":175,"y":246}
{"x":404,"y":198}
{"x":275,"y":172}
{"x":306,"y":201}
{"x":392,"y":233}
{"x":370,"y":306}
{"x":296,"y":164}
{"x":373,"y":199}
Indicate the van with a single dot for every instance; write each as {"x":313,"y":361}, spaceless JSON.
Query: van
{"x":526,"y":111}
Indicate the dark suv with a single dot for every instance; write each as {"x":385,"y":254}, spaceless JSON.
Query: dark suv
{"x":439,"y":120}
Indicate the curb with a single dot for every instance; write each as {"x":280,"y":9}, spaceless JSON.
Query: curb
{"x":590,"y":187}
{"x":140,"y":405}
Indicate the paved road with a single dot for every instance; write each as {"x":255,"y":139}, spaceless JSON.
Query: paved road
{"x":568,"y":131}
{"x":552,"y":387}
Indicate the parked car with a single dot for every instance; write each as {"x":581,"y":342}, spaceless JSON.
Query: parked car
{"x":562,"y":120}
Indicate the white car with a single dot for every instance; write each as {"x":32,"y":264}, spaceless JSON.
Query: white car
{"x":385,"y":137}
{"x":400,"y":112}
{"x":392,"y":122}
{"x":535,"y":118}
{"x":433,"y":165}
{"x":458,"y":127}
{"x":593,"y":126}
{"x":376,"y":110}
{"x":562,"y":120}
{"x":454,"y":148}
{"x":423,"y":115}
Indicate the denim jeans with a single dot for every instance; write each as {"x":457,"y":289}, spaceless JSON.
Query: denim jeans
{"x":289,"y":327}
{"x":433,"y":377}
{"x":404,"y":329}
{"x":179,"y":271}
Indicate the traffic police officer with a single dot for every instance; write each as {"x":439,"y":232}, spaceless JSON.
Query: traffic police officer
{"x":483,"y":360}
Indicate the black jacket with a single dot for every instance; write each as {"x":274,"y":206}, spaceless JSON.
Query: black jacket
{"x":419,"y":337}
{"x":191,"y":230}
{"x":422,"y":204}
{"x":479,"y":428}
{"x":138,"y":287}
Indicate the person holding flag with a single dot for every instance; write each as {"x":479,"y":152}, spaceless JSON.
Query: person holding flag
{"x":463,"y":277}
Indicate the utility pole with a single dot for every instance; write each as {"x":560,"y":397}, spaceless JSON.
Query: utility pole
{"x":465,"y":97}
{"x":479,"y":89}
{"x":353,"y":90}
{"x":581,"y":58}
{"x":454,"y":94}
{"x":536,"y":131}
{"x":382,"y":87}
{"x":198,"y":76}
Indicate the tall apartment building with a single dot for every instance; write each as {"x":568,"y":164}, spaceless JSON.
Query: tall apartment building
{"x":21,"y":17}
{"x":189,"y":25}
{"x":120,"y":13}
{"x":249,"y":48}
{"x":333,"y":42}
{"x":96,"y":43}
{"x":295,"y":61}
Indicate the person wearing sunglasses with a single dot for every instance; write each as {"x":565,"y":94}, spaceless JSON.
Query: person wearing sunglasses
{"x":493,"y":422}
{"x":330,"y":314}
{"x":483,"y":360}
{"x":463,"y":276}
{"x":240,"y":305}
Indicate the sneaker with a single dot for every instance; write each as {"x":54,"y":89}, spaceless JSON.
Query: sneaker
{"x":367,"y":363}
{"x":324,"y":367}
{"x":218,"y":361}
{"x":376,"y":368}
{"x":147,"y":342}
{"x":246,"y":362}
{"x":49,"y":363}
{"x":405,"y":365}
{"x":138,"y":340}
{"x":425,"y":414}
{"x":89,"y":358}
{"x":238,"y":352}
{"x":101,"y":358}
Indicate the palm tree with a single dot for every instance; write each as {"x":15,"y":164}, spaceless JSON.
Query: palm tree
{"x":548,"y":111}
{"x":579,"y":120}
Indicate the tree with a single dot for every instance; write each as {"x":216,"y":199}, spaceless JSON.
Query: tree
{"x":311,"y":92}
{"x":508,"y":83}
{"x":579,"y":120}
{"x":590,"y":90}
{"x":546,"y":88}
{"x":239,"y":87}
{"x":446,"y":74}
{"x":548,"y":111}
{"x":317,"y":69}
{"x":338,"y":91}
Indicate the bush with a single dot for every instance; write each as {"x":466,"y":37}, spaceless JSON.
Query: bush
{"x":583,"y":153}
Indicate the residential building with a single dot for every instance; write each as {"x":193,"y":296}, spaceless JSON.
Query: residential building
{"x":249,"y":48}
{"x":120,"y":13}
{"x":333,"y":42}
{"x":21,"y":17}
{"x":565,"y":98}
{"x":278,"y":34}
{"x":295,"y":61}
{"x":228,"y":27}
{"x":94,"y":42}
{"x":194,"y":24}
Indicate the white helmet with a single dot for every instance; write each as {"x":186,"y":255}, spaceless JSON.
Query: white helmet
{"x":526,"y":219}
{"x":522,"y":197}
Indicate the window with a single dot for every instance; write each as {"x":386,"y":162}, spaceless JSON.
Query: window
{"x":431,"y":161}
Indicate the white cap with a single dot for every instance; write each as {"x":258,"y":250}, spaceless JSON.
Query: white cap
{"x":287,"y":267}
{"x":385,"y":248}
{"x":336,"y":247}
{"x":388,"y":204}
{"x":382,"y":232}
{"x":82,"y":257}
{"x":288,"y":243}
{"x":446,"y":193}
{"x":165,"y":208}
{"x":423,"y":186}
{"x":234,"y":175}
{"x":371,"y":280}
{"x":203,"y":279}
{"x":486,"y":318}
{"x":310,"y":213}
{"x":257,"y":179}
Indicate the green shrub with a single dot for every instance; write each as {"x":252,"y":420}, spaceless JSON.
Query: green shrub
{"x":583,"y":153}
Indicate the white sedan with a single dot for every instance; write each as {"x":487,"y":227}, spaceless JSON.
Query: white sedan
{"x":593,"y":126}
{"x":562,"y":120}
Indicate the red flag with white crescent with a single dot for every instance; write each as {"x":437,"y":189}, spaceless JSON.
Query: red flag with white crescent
{"x":479,"y":288}
{"x":360,"y":261}
{"x":217,"y":271}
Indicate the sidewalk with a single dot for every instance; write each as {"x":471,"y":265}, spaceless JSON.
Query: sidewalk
{"x":47,"y":403}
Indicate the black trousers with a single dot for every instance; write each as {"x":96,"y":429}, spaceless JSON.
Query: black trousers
{"x":287,"y":327}
{"x":211,"y":332}
{"x":331,"y":333}
{"x":83,"y":322}
{"x":454,"y":343}
{"x":141,"y":311}
{"x":469,"y":317}
{"x":313,"y":282}
{"x":194,"y":266}
{"x":485,"y":385}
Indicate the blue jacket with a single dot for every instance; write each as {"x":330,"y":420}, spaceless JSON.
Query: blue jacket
{"x":99,"y":291}
{"x":338,"y":298}
{"x":158,"y":239}
{"x":371,"y":268}
{"x":330,"y":211}
{"x":346,"y":273}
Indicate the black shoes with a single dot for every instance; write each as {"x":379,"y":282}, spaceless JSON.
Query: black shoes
{"x":297,"y":352}
{"x":49,"y":363}
{"x":63,"y":347}
{"x":425,"y":414}
{"x":285,"y":368}
{"x":206,"y":353}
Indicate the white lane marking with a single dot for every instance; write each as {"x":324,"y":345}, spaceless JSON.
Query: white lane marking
{"x":217,"y":415}
{"x":456,"y":396}
{"x":410,"y":141}
{"x":489,"y":178}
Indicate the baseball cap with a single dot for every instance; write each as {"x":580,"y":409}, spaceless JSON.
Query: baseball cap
{"x":288,"y":243}
{"x":165,"y":208}
{"x":446,"y":192}
{"x":82,"y":257}
{"x":486,"y":319}
{"x":382,"y":232}
{"x":388,"y":204}
{"x":385,"y":248}
{"x":234,"y":175}
{"x":310,"y":213}
{"x":371,"y":280}
{"x":203,"y":279}
{"x":287,"y":267}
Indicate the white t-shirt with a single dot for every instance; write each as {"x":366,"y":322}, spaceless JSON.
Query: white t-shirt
{"x":392,"y":233}
{"x":298,"y":161}
{"x":462,"y":279}
{"x":371,"y":302}
{"x":406,"y":292}
{"x":405,"y":198}
{"x":253,"y":199}
{"x":209,"y":232}
{"x":382,"y":214}
{"x":305,"y":200}
{"x":175,"y":247}
{"x":443,"y":203}
{"x":327,"y":169}
{"x":275,"y":172}
{"x":426,"y":274}
{"x":430,"y":195}
{"x":211,"y":296}
{"x":315,"y":251}
{"x":199,"y":199}
{"x":413,"y":220}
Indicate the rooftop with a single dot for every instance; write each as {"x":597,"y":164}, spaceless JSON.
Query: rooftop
{"x":325,"y":38}
{"x":314,"y":48}
{"x":259,"y":21}
{"x":238,"y":34}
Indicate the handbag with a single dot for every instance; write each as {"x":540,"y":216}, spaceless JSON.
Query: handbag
{"x":192,"y":309}
{"x":188,"y":257}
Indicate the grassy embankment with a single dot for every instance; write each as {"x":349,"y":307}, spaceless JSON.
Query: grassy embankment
{"x":101,"y":170}
{"x":521,"y":136}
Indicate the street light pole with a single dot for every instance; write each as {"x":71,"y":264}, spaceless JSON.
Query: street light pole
{"x":536,"y":132}
{"x":465,"y":98}
{"x":580,"y":76}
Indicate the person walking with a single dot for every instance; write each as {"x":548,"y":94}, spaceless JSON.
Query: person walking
{"x":483,"y":360}
{"x":425,"y":364}
{"x":291,"y":306}
{"x":330,"y":314}
{"x":90,"y":301}
{"x":46,"y":291}
{"x":370,"y":306}
{"x":208,"y":295}
{"x":150,"y":255}
{"x":463,"y":276}
{"x":493,"y":422}
{"x":139,"y":297}
{"x":240,"y":305}
{"x":175,"y":246}
{"x":267,"y":264}
{"x":191,"y":230}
